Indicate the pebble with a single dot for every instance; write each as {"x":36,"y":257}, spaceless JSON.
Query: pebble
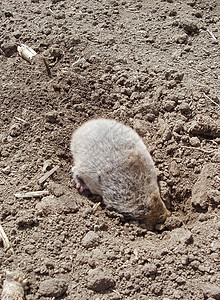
{"x":181,"y":38}
{"x":52,"y":287}
{"x":91,"y":239}
{"x":180,"y":280}
{"x":174,"y":168}
{"x":185,"y":260}
{"x":6,"y":170}
{"x":56,"y":189}
{"x":149,"y":269}
{"x":194,"y":141}
{"x":185,"y":108}
{"x":15,"y":130}
{"x":187,"y":237}
{"x":99,"y":280}
{"x":189,"y":26}
{"x":26,"y":219}
{"x":9,"y":48}
{"x":178,"y":127}
{"x":52,"y":117}
{"x":170,"y":105}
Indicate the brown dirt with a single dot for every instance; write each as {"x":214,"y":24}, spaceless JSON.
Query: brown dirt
{"x":150,"y":64}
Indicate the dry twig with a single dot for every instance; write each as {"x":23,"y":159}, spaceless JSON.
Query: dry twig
{"x":47,"y":175}
{"x":47,"y":66}
{"x":78,"y":61}
{"x":200,"y":149}
{"x":31,"y":194}
{"x":212,"y":35}
{"x":4,"y":238}
{"x":19,"y":119}
{"x":95,"y":206}
{"x":211,"y":100}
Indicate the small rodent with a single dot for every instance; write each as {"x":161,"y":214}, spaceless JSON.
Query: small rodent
{"x":112,"y":161}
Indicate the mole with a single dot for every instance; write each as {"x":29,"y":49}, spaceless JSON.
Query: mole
{"x":111,"y":160}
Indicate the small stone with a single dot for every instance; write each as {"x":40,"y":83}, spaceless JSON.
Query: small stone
{"x":187,"y":237}
{"x":52,"y":117}
{"x":173,"y":13}
{"x":17,"y":34}
{"x":52,"y":287}
{"x":91,"y":239}
{"x":194,"y":141}
{"x":181,"y":38}
{"x":185,"y":108}
{"x":149,"y":269}
{"x":182,"y":236}
{"x":214,"y":197}
{"x":56,"y":189}
{"x":185,"y":260}
{"x":9,"y":48}
{"x":56,"y":52}
{"x":198,"y":14}
{"x":180,"y":280}
{"x":26,"y":219}
{"x":211,"y":290}
{"x":140,"y":126}
{"x":6,"y":170}
{"x":189,"y":26}
{"x":178,"y":294}
{"x":178,"y":127}
{"x":59,"y":16}
{"x":8,"y":14}
{"x":174,"y":168}
{"x":157,"y":289}
{"x":15,"y":130}
{"x":100,"y":281}
{"x":170,"y":105}
{"x":215,"y":246}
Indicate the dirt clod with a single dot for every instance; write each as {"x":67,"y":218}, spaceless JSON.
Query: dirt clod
{"x":52,"y":287}
{"x":91,"y":239}
{"x":99,"y":280}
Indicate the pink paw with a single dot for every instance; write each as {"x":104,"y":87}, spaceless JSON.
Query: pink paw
{"x":80,"y":184}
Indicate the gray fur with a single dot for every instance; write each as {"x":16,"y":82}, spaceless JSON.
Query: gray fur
{"x":114,"y":163}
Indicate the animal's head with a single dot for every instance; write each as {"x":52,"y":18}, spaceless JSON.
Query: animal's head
{"x":156,"y":211}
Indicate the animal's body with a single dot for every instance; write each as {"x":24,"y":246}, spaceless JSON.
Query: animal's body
{"x":112,"y":161}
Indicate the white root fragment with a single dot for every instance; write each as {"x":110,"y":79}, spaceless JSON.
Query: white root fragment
{"x":78,"y":61}
{"x":4,"y":238}
{"x":212,"y":35}
{"x":95,"y":207}
{"x":211,"y":100}
{"x":26,"y":52}
{"x":31,"y":194}
{"x":47,"y":175}
{"x":19,"y":119}
{"x":13,"y":286}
